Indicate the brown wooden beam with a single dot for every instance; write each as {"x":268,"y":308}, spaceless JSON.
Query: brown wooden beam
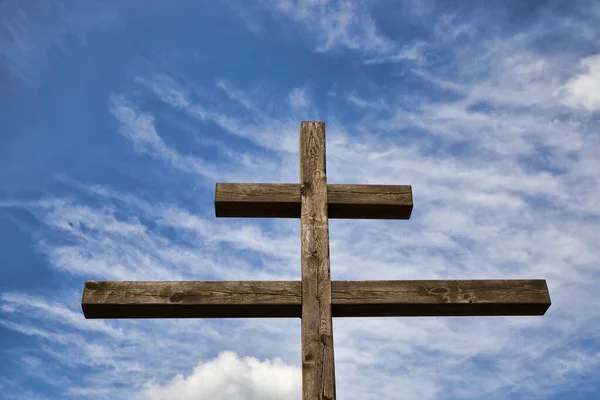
{"x":439,"y":298}
{"x":191,"y":299}
{"x":282,"y":200}
{"x":318,"y":366}
{"x":261,"y":299}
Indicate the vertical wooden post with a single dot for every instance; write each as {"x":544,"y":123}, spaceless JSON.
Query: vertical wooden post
{"x":318,"y":376}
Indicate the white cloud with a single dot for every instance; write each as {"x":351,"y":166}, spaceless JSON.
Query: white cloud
{"x":583,"y":90}
{"x":229,"y":377}
{"x":259,"y":127}
{"x":414,"y":52}
{"x":232,"y":92}
{"x":358,"y":101}
{"x":31,"y":35}
{"x":338,"y":24}
{"x":140,"y":129}
{"x":101,"y":244}
{"x":297,"y":98}
{"x":13,"y":302}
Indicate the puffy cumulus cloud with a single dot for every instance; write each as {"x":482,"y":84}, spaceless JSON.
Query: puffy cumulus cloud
{"x":229,"y":377}
{"x":583,"y":90}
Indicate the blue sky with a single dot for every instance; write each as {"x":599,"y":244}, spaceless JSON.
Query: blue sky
{"x":117,"y":118}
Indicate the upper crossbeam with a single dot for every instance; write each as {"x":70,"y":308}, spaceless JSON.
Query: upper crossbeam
{"x":282,"y":200}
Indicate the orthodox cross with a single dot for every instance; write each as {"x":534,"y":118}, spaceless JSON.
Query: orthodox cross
{"x":315,"y":299}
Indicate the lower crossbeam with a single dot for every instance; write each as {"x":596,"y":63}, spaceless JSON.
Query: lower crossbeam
{"x":268,"y":299}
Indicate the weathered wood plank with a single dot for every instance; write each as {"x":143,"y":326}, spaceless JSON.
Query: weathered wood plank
{"x":439,"y":298}
{"x":262,"y":299}
{"x":191,"y":299}
{"x":282,"y":200}
{"x":318,"y":375}
{"x":257,"y":200}
{"x":369,"y":201}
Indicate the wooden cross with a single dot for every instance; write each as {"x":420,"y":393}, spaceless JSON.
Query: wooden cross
{"x":315,"y":299}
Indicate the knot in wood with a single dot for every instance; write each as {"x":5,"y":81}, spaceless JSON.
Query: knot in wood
{"x":303,"y":190}
{"x":90,"y":285}
{"x":323,"y":338}
{"x":322,"y":176}
{"x":470,"y":298}
{"x":439,"y":291}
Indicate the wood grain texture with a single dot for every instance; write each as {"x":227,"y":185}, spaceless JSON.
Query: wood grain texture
{"x":244,"y":299}
{"x":282,"y":200}
{"x":257,"y":200}
{"x":369,"y":201}
{"x":191,"y":299}
{"x":318,"y":375}
{"x":439,"y":298}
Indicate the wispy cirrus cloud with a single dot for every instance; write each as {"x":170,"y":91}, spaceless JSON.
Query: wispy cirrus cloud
{"x":346,"y":25}
{"x":360,"y":102}
{"x":139,"y":128}
{"x":31,"y":39}
{"x":12,"y":302}
{"x":503,"y":170}
{"x":257,"y":126}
